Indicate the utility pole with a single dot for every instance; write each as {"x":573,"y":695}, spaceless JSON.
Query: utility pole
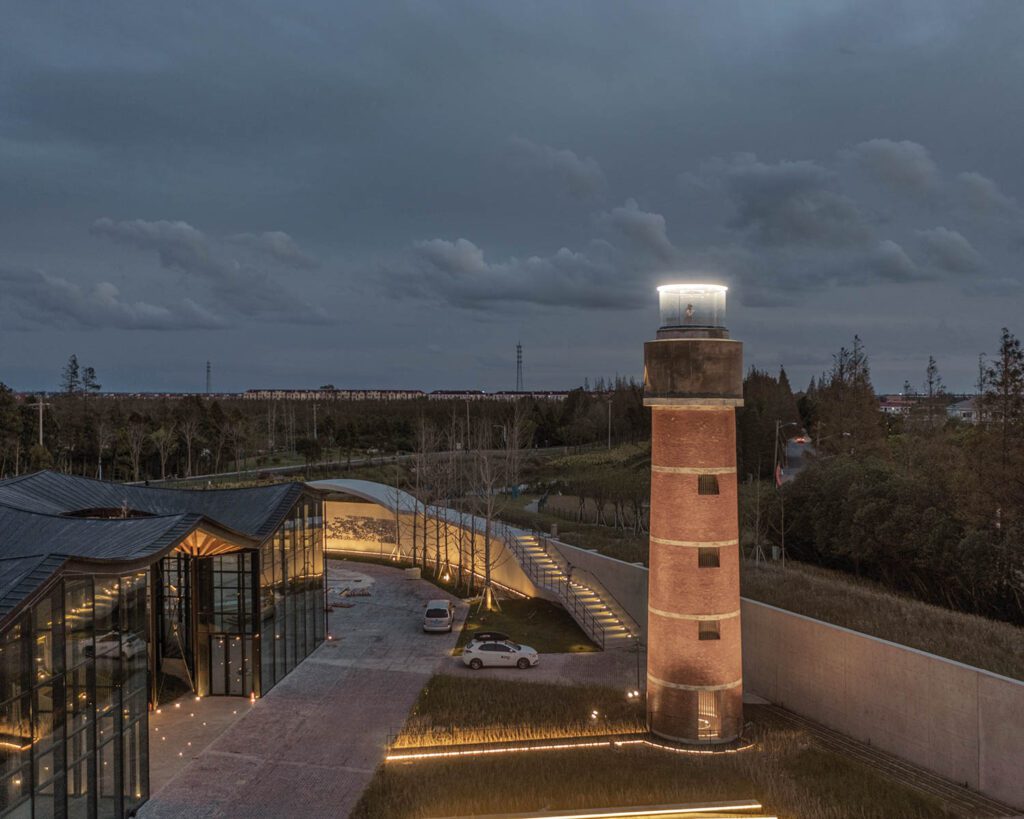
{"x":209,"y":378}
{"x":779,"y":426}
{"x":40,"y":404}
{"x":609,"y":423}
{"x":519,"y":367}
{"x":315,"y":436}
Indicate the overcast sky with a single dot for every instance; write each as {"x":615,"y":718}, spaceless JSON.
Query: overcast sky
{"x":393,"y":194}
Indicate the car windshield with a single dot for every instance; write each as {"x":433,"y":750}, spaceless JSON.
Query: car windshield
{"x":515,"y":646}
{"x":436,"y":613}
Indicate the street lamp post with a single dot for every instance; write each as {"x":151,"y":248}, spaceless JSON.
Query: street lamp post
{"x":609,"y":423}
{"x":779,"y":426}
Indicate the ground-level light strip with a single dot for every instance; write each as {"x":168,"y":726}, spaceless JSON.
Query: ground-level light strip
{"x":737,"y":809}
{"x":416,"y":755}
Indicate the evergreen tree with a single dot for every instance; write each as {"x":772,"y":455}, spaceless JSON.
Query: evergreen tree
{"x":1003,"y":396}
{"x":848,"y":418}
{"x":934,"y":394}
{"x":90,"y":386}
{"x":71,"y":380}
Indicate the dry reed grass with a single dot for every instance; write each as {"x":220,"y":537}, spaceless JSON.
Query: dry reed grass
{"x":862,"y":606}
{"x":785,"y":770}
{"x":456,"y":711}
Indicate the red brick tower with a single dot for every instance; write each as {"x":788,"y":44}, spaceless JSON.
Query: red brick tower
{"x":693,"y":381}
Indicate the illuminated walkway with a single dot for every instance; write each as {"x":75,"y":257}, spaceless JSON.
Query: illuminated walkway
{"x":310,"y":747}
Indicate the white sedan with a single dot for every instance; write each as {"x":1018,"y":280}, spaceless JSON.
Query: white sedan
{"x":504,"y":653}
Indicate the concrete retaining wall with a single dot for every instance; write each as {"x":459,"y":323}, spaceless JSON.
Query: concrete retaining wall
{"x":627,"y":582}
{"x":370,"y":529}
{"x":961,"y":722}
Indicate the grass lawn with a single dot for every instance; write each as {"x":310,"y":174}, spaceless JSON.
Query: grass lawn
{"x":533,"y":622}
{"x":785,"y":770}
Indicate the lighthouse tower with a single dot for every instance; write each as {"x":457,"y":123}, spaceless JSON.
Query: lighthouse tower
{"x":693,"y":381}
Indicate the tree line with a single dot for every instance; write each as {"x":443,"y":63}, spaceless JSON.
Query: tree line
{"x":922,"y":503}
{"x":80,"y":431}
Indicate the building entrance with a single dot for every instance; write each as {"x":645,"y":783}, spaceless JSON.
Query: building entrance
{"x":231,"y":665}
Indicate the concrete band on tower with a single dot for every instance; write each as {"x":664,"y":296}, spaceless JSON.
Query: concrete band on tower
{"x":693,"y":381}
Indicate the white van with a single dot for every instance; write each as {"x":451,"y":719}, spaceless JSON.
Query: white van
{"x":439,"y":616}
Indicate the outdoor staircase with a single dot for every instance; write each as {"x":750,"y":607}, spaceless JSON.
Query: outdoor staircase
{"x":591,"y":605}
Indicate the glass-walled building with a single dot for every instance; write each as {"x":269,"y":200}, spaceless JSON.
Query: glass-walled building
{"x":291,"y":592}
{"x":73,"y":673}
{"x":102,"y":602}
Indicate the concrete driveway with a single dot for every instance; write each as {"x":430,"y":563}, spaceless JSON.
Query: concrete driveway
{"x":310,"y":747}
{"x":617,"y":668}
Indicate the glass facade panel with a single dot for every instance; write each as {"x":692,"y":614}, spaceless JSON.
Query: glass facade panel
{"x":268,"y":565}
{"x":291,"y":592}
{"x":73,"y":674}
{"x":229,"y":612}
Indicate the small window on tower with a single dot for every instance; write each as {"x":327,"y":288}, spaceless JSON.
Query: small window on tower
{"x":707,"y":484}
{"x":708,"y":630}
{"x":708,"y":557}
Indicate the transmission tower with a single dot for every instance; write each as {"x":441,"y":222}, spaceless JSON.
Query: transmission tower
{"x":519,"y":367}
{"x":209,"y":378}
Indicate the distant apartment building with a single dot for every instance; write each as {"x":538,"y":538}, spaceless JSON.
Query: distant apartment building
{"x":332,"y":394}
{"x":897,"y":405}
{"x":966,"y":411}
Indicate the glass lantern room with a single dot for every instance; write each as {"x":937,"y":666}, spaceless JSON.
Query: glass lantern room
{"x":692,"y":305}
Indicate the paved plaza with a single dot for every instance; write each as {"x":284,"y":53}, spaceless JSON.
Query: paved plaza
{"x":617,"y":668}
{"x":310,"y":747}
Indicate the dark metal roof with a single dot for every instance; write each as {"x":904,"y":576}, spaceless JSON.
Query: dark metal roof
{"x":21,"y":576}
{"x":34,"y":547}
{"x":255,"y":512}
{"x":40,"y":534}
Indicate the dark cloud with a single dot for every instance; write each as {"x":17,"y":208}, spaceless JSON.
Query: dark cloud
{"x":792,"y":203}
{"x":891,"y":262}
{"x":247,"y":290}
{"x":42,"y":300}
{"x":582,"y":177}
{"x":982,"y":194}
{"x":278,"y":245}
{"x":644,"y":230}
{"x":457,"y":273}
{"x":950,"y":251}
{"x":903,"y":165}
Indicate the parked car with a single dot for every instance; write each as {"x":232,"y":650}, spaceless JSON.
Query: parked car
{"x":490,"y":637}
{"x":439,"y":616}
{"x":504,"y":653}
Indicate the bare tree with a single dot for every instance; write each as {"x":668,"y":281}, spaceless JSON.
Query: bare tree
{"x":104,"y":438}
{"x":135,"y":438}
{"x":165,"y":439}
{"x":188,"y":427}
{"x":490,"y":473}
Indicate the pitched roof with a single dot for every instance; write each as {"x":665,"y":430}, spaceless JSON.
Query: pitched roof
{"x":42,"y":527}
{"x":255,"y":512}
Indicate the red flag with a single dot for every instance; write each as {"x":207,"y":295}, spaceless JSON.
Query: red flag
{"x":778,"y":474}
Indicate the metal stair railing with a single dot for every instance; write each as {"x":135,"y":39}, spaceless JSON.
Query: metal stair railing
{"x":557,"y":581}
{"x":586,"y":580}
